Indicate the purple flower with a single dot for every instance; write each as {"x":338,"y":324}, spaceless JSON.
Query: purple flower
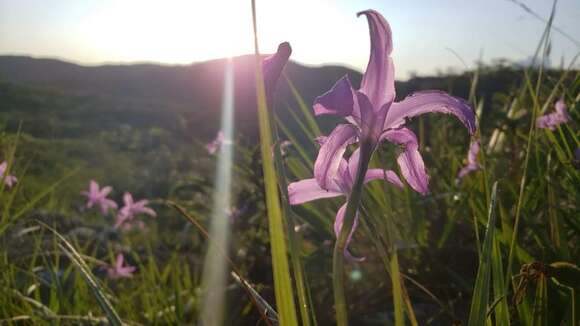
{"x":272,"y":68}
{"x":472,"y":164}
{"x":340,"y":184}
{"x":132,"y":208}
{"x":120,"y":271}
{"x":552,"y":120}
{"x":214,"y":145}
{"x":373,"y":115}
{"x":98,"y":197}
{"x":235,"y":212}
{"x":9,"y":180}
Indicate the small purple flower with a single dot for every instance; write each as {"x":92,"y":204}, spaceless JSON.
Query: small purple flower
{"x":118,"y":270}
{"x":98,"y":197}
{"x":472,"y":164}
{"x":554,"y":119}
{"x":132,"y":208}
{"x":214,"y":145}
{"x":373,"y":115}
{"x":9,"y":180}
{"x":235,"y":212}
{"x":272,"y":68}
{"x":340,"y":184}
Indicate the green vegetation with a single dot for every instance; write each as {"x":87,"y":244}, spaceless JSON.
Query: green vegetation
{"x":433,"y":259}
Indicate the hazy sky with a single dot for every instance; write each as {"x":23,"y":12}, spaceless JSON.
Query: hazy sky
{"x":320,"y":31}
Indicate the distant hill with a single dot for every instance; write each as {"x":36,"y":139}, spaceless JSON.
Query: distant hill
{"x":193,"y":91}
{"x":190,"y":95}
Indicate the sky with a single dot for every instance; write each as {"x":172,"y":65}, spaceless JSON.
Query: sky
{"x":428,"y":35}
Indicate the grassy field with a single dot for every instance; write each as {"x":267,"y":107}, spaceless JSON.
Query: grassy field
{"x":497,"y":247}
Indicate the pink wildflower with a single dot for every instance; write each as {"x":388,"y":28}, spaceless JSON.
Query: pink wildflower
{"x":9,"y":180}
{"x":472,"y":164}
{"x":120,"y":271}
{"x":98,"y":197}
{"x":213,"y":146}
{"x":554,"y":119}
{"x":132,"y":208}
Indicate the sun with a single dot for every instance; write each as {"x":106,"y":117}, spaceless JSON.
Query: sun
{"x":170,"y":31}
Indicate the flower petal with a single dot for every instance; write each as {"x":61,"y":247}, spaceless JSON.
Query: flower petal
{"x":94,"y":187}
{"x":272,"y":68}
{"x":330,"y":154}
{"x":561,"y":107}
{"x":378,"y":81}
{"x":119,"y":261}
{"x":465,"y":171}
{"x":388,"y":175}
{"x":105,"y":191}
{"x":353,"y":164}
{"x":308,"y":190}
{"x":338,"y":226}
{"x":430,"y":101}
{"x":473,"y":151}
{"x":338,"y":100}
{"x":148,"y":211}
{"x":128,"y":199}
{"x":410,"y":160}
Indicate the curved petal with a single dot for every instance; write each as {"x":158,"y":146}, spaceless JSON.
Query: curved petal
{"x":128,"y":199}
{"x":308,"y":190}
{"x":473,"y":151}
{"x":272,"y":68}
{"x":338,"y":100}
{"x":378,"y":81}
{"x":366,"y":116}
{"x":353,"y":164}
{"x":93,"y":187}
{"x":430,"y":101}
{"x":338,"y":226}
{"x":10,"y":181}
{"x":561,"y":107}
{"x":148,"y":211}
{"x":330,"y":154}
{"x":466,"y":170}
{"x":410,"y":160}
{"x":105,"y":191}
{"x":119,"y":261}
{"x":388,"y":175}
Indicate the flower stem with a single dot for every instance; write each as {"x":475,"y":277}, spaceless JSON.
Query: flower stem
{"x":349,"y":216}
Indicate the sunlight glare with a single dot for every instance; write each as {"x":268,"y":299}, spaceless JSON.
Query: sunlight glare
{"x":215,"y":265}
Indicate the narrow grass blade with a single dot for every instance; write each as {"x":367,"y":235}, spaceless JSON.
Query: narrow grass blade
{"x":306,"y":112}
{"x":256,"y":299}
{"x":282,"y":278}
{"x":305,"y":304}
{"x":397,"y":291}
{"x":98,"y":292}
{"x":501,"y":310}
{"x":540,"y":312}
{"x":30,"y":204}
{"x":480,"y":296}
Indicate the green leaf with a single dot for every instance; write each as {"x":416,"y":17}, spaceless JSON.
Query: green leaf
{"x":282,"y":280}
{"x":397,"y":291}
{"x":97,"y":290}
{"x":480,"y":297}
